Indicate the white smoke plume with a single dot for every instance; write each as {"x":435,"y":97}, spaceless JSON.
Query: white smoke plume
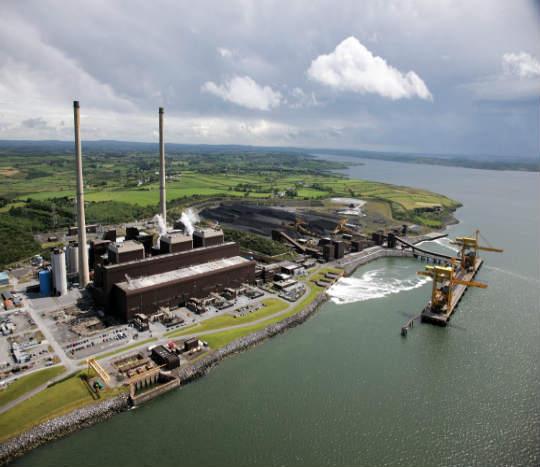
{"x":162,"y":226}
{"x":189,"y":218}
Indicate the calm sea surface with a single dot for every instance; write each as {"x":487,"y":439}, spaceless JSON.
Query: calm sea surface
{"x":345,"y":388}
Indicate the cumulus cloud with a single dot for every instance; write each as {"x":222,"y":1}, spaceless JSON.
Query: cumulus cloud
{"x":522,"y":64}
{"x":244,"y":91}
{"x":352,"y":67}
{"x":517,"y":80}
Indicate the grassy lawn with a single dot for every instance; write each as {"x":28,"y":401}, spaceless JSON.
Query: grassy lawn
{"x":219,"y":339}
{"x":61,"y":398}
{"x":28,"y":383}
{"x":127,"y":347}
{"x":273,"y":306}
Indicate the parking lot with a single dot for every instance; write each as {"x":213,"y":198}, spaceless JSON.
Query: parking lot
{"x":22,"y":345}
{"x":109,"y":340}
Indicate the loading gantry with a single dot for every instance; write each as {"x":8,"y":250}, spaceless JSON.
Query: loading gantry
{"x":444,"y":282}
{"x":469,"y":250}
{"x":93,"y":364}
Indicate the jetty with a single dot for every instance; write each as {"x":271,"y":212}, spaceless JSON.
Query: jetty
{"x":429,"y":315}
{"x":451,"y":280}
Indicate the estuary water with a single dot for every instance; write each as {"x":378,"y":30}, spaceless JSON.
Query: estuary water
{"x":345,"y":388}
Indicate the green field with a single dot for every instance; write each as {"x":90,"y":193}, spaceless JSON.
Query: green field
{"x":63,"y":397}
{"x":224,"y":184}
{"x":28,"y":383}
{"x":272,"y":306}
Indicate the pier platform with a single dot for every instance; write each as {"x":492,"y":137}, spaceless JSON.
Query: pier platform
{"x":441,"y":319}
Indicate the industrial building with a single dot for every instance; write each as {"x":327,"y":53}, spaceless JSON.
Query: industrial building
{"x":127,"y":282}
{"x":207,"y":237}
{"x":173,"y":243}
{"x":135,"y":278}
{"x":128,"y":250}
{"x":171,"y":289}
{"x":163,"y":356}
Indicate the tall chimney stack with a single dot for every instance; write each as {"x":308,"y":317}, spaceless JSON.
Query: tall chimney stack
{"x":81,"y":224}
{"x":162,"y":194}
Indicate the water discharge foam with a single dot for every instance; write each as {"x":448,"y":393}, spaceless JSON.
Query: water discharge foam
{"x":444,"y":242}
{"x":377,"y":283}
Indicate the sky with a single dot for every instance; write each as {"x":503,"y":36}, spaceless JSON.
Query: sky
{"x":435,"y":77}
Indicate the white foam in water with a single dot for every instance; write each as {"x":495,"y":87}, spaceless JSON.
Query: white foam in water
{"x":444,"y":242}
{"x":372,"y":284}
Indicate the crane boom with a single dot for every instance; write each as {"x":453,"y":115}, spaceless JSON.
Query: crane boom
{"x":486,"y":248}
{"x":92,"y":363}
{"x":471,"y":283}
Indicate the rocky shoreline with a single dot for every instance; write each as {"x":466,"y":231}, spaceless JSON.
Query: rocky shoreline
{"x":61,"y":426}
{"x":94,"y":413}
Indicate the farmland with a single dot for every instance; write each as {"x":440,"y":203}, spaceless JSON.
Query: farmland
{"x":121,"y":184}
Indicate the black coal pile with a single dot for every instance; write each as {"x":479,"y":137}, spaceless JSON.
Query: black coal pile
{"x":262,"y":220}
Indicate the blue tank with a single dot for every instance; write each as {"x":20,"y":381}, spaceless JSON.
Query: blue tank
{"x":45,"y":282}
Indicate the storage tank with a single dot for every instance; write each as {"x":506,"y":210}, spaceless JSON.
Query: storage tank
{"x":72,"y":260}
{"x":45,"y":282}
{"x":58,"y":262}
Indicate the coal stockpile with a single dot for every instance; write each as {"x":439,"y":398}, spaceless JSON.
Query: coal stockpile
{"x":262,"y":220}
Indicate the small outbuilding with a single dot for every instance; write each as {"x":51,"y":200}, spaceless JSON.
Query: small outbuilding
{"x":191,"y":343}
{"x":163,"y":356}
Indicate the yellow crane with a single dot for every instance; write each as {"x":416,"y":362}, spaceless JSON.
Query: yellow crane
{"x":340,"y":226}
{"x":92,"y":363}
{"x":299,"y":225}
{"x":469,"y":247}
{"x":443,"y":285}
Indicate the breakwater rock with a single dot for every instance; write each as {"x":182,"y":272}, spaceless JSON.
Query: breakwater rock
{"x":202,"y":366}
{"x":61,"y":426}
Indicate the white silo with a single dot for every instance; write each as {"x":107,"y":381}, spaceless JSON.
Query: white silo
{"x":72,"y":260}
{"x":58,"y":263}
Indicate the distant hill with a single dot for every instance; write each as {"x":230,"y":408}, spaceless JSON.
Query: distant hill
{"x":112,"y":147}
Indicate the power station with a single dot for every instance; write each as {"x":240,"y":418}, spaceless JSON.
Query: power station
{"x":135,"y":276}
